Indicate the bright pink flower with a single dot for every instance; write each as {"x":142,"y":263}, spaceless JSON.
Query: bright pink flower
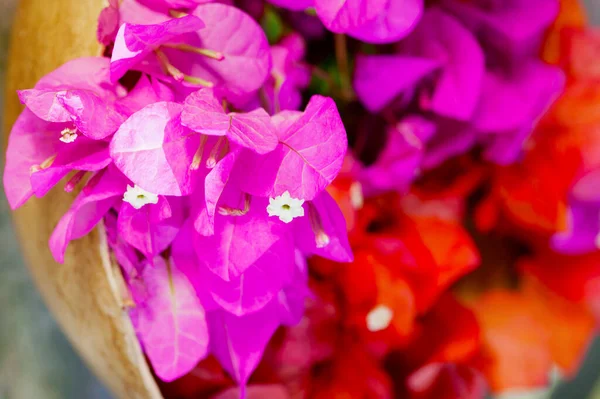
{"x":90,"y":206}
{"x":204,"y":114}
{"x":372,"y":80}
{"x":169,"y":319}
{"x":135,"y":42}
{"x":307,"y":159}
{"x":373,"y":21}
{"x":152,"y":228}
{"x":511,"y":104}
{"x":442,"y":38}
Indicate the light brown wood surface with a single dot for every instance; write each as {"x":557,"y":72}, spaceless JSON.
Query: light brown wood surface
{"x":82,"y":293}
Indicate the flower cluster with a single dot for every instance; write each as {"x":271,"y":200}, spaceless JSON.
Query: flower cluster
{"x":459,"y":235}
{"x":210,"y":203}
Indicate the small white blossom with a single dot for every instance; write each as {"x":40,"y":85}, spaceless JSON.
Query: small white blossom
{"x":379,"y":318}
{"x":356,"y":195}
{"x":285,"y":207}
{"x":68,"y":135}
{"x":139,"y":197}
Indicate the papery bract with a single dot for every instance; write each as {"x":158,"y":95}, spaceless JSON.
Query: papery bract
{"x":169,"y":320}
{"x":134,"y":42}
{"x":309,"y":156}
{"x":345,"y":15}
{"x":397,"y":19}
{"x":31,"y":142}
{"x":372,"y":80}
{"x":442,"y":38}
{"x":155,"y":151}
{"x":150,"y":229}
{"x":230,"y":344}
{"x":324,"y":212}
{"x":204,"y":114}
{"x":512,"y":27}
{"x":87,"y":210}
{"x":242,"y":43}
{"x":238,"y":241}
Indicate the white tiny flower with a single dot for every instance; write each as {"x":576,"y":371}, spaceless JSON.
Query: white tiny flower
{"x":139,"y":197}
{"x":379,"y":318}
{"x":356,"y":195}
{"x":68,"y":135}
{"x":285,"y":207}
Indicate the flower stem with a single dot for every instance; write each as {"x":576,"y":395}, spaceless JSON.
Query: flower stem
{"x":341,"y":56}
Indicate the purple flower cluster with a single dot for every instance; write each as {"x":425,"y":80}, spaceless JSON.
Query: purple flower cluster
{"x":468,"y":75}
{"x":210,"y":203}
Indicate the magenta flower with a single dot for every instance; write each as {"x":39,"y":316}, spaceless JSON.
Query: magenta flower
{"x":440,"y":37}
{"x":150,"y":229}
{"x":309,"y":155}
{"x":511,"y":28}
{"x":294,"y":5}
{"x":169,"y":319}
{"x":216,"y":45}
{"x":373,"y":21}
{"x":401,"y":158}
{"x":511,"y":104}
{"x":204,"y":114}
{"x":373,"y":86}
{"x":60,"y":130}
{"x":136,"y":42}
{"x":102,"y":192}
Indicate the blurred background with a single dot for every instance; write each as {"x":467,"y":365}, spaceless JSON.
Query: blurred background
{"x":36,"y":361}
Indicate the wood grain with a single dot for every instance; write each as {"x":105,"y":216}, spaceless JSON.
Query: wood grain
{"x":83,"y":293}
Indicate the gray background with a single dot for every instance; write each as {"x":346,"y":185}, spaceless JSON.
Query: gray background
{"x":36,"y":361}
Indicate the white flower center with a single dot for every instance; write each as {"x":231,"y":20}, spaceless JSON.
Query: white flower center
{"x":139,"y":197}
{"x":379,"y":318}
{"x":285,"y":207}
{"x":68,"y":135}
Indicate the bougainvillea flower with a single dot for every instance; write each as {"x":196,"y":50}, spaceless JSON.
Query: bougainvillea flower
{"x":511,"y":27}
{"x":152,"y":228}
{"x":246,"y":293}
{"x":229,"y":333}
{"x":87,"y":210}
{"x":372,"y":83}
{"x":146,"y":138}
{"x":232,"y":249}
{"x":379,"y":21}
{"x":108,"y":23}
{"x":135,"y":42}
{"x":323,"y":230}
{"x":204,"y":114}
{"x":442,"y":38}
{"x":289,"y":74}
{"x":169,"y":319}
{"x":512,"y":104}
{"x":310,"y":153}
{"x":398,"y":19}
{"x":79,"y":92}
{"x":399,"y":162}
{"x":239,"y":57}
